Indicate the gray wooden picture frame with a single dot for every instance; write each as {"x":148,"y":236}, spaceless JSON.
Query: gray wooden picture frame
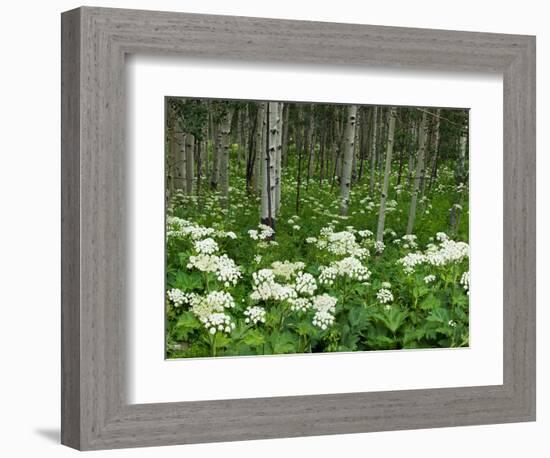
{"x":95,"y":413}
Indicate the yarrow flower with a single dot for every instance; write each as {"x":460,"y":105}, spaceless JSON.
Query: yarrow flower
{"x":379,"y":246}
{"x":350,"y":267}
{"x":305,"y":284}
{"x":206,"y":246}
{"x":286,"y":269}
{"x":265,"y":287}
{"x":178,"y":297}
{"x":384,"y":296}
{"x":225,"y":269}
{"x":210,"y":309}
{"x":263,"y":232}
{"x":447,"y":252}
{"x":255,"y":315}
{"x":325,"y":307}
{"x":299,"y":304}
{"x":429,"y":278}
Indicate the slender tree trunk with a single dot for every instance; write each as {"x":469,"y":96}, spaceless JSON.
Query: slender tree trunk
{"x":419,"y":173}
{"x":285,"y":133}
{"x":299,"y":147}
{"x":278,"y":158}
{"x":412,"y":143}
{"x":311,"y":145}
{"x":189,"y":163}
{"x":373,"y":153}
{"x":460,"y":173}
{"x":268,"y":185}
{"x":348,"y":149}
{"x":216,"y":154}
{"x":260,"y":147}
{"x":225,"y":130}
{"x":387,"y":172}
{"x":433,"y":173}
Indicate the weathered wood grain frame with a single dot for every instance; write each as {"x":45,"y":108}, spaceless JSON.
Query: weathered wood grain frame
{"x":95,"y":413}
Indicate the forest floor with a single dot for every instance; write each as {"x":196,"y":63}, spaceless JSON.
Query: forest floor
{"x":321,"y":283}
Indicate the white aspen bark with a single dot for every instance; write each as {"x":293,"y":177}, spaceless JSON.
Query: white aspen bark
{"x":387,"y":172}
{"x":268,"y":182}
{"x":374,"y":130}
{"x":225,"y":131}
{"x":456,"y":209}
{"x":311,"y":145}
{"x":278,"y":159}
{"x":347,"y":158}
{"x":260,"y":148}
{"x":216,"y":154}
{"x":180,"y":160}
{"x":189,"y":163}
{"x":419,"y":173}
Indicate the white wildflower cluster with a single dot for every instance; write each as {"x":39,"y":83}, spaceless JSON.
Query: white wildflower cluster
{"x":409,"y":241}
{"x":379,"y":246}
{"x":311,"y":240}
{"x":286,"y":269}
{"x":210,"y":309}
{"x":300,"y":304}
{"x":365,"y":233}
{"x":255,"y":315}
{"x":305,"y":284}
{"x":325,"y":307}
{"x":429,"y":279}
{"x":350,"y":267}
{"x":263,"y":232}
{"x":465,"y":281}
{"x":181,"y":228}
{"x":218,"y":322}
{"x":225,"y":234}
{"x":223,"y":267}
{"x":391,"y":206}
{"x":447,"y":252}
{"x":265,"y":287}
{"x":206,"y":246}
{"x":341,"y":243}
{"x":328,"y":275}
{"x":258,"y":258}
{"x":384,"y":296}
{"x":452,"y":323}
{"x":178,"y":297}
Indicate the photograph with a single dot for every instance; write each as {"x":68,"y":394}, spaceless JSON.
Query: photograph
{"x":296,"y":227}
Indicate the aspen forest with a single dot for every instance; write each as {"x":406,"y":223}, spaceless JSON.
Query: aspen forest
{"x":310,"y":228}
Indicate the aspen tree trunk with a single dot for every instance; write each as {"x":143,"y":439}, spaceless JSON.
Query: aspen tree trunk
{"x":299,"y":147}
{"x":427,"y":156}
{"x":178,"y":167}
{"x":419,"y":171}
{"x":260,"y":148}
{"x":355,"y":146}
{"x":374,"y":130}
{"x":322,"y":150}
{"x":456,"y":210}
{"x":171,"y":163}
{"x":225,"y":131}
{"x":278,"y":158}
{"x":414,"y":137}
{"x":311,"y":145}
{"x":285,"y":133}
{"x":348,"y":149}
{"x":268,"y":185}
{"x":387,"y":172}
{"x":189,"y":163}
{"x":216,"y":154}
{"x":363,"y":142}
{"x":433,"y":173}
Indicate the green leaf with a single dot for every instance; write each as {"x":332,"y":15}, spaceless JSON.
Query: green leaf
{"x":430,"y":302}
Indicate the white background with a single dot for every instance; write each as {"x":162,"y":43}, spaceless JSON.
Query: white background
{"x":154,"y":379}
{"x":29,"y":230}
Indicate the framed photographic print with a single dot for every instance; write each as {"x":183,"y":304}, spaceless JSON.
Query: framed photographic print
{"x":335,"y":220}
